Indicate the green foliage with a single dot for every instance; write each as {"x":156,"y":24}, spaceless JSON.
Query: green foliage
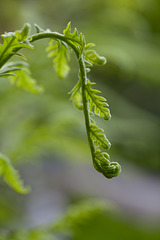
{"x":35,"y":234}
{"x":79,"y":214}
{"x":98,"y":220}
{"x":11,"y":44}
{"x":20,"y":75}
{"x":128,"y":33}
{"x":87,"y":219}
{"x":82,"y":94}
{"x":11,"y":176}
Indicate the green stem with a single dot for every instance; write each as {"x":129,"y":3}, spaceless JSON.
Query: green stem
{"x":55,"y":36}
{"x":85,"y":103}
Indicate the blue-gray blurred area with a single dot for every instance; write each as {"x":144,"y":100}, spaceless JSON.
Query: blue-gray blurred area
{"x":44,"y":135}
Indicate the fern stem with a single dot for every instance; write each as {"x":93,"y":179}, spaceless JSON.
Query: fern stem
{"x":85,"y":103}
{"x":53,"y":35}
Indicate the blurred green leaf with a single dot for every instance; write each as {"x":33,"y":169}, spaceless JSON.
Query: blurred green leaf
{"x":60,"y":53}
{"x":11,"y":176}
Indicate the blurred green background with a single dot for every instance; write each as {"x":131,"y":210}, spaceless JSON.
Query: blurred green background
{"x":44,"y":135}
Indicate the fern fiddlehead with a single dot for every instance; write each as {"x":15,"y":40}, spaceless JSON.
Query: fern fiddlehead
{"x":83,"y":95}
{"x":86,"y":98}
{"x":101,"y":163}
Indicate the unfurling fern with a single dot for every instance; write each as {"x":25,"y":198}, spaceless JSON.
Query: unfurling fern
{"x":103,"y":165}
{"x":83,"y":95}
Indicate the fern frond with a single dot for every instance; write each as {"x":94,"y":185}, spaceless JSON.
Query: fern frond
{"x":83,"y":95}
{"x":97,"y":102}
{"x":59,"y":51}
{"x":98,"y":136}
{"x":11,"y":176}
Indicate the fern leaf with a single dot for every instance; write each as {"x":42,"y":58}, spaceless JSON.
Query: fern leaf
{"x":11,"y":176}
{"x":97,"y":102}
{"x":98,"y":136}
{"x":19,"y":74}
{"x":59,"y":51}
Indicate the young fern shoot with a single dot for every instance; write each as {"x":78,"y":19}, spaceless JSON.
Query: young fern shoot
{"x":83,"y":95}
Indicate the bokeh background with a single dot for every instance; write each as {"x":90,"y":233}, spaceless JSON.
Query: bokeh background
{"x":44,"y":135}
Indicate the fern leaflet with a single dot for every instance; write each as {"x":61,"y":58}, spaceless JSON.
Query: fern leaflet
{"x":98,"y":136}
{"x":97,"y":102}
{"x":59,"y":51}
{"x":77,"y":39}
